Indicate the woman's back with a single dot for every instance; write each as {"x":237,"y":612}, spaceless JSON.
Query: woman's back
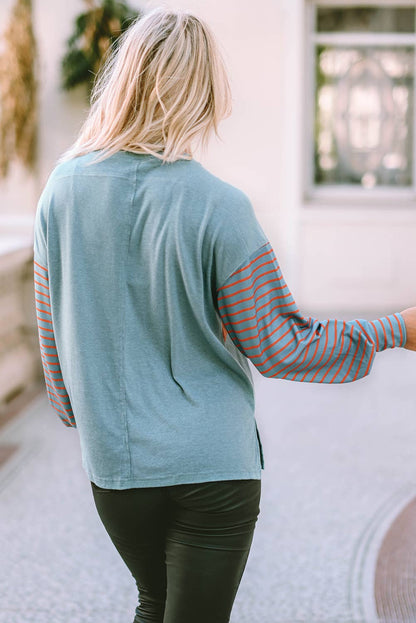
{"x":158,"y":397}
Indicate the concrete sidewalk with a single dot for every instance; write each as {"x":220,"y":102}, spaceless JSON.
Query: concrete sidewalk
{"x":340,"y":465}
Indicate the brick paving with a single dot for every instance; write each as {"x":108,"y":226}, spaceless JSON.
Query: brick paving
{"x":395,"y":577}
{"x":340,"y":473}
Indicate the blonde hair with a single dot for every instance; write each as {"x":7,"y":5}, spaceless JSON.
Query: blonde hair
{"x":163,"y":85}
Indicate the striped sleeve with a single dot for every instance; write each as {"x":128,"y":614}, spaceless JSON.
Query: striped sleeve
{"x":264,"y":322}
{"x":57,"y":394}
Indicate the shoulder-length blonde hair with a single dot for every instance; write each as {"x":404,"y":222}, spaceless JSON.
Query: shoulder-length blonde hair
{"x":163,"y":85}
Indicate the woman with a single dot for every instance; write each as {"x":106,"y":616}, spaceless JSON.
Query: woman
{"x":154,"y":285}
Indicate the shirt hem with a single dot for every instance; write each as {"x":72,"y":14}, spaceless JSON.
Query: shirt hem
{"x":178,"y":479}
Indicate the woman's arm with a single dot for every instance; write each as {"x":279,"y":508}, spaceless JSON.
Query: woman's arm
{"x":264,"y":322}
{"x":57,"y":394}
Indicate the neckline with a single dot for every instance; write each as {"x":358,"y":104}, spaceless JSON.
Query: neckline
{"x":146,"y":155}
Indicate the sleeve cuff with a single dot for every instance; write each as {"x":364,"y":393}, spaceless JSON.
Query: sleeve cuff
{"x":390,"y":331}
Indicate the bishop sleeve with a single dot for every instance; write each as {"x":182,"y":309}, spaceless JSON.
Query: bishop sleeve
{"x":57,"y":394}
{"x":260,"y":315}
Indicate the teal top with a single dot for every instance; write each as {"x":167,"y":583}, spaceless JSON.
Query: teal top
{"x":154,"y":286}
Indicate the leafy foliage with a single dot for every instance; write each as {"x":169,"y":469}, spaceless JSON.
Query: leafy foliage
{"x":95,"y":31}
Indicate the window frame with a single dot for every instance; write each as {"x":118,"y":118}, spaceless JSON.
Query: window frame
{"x":346,"y":194}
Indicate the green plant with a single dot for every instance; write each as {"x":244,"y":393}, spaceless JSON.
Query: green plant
{"x":95,"y":31}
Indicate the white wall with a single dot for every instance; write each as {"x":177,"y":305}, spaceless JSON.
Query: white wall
{"x":357,"y":259}
{"x":59,"y":113}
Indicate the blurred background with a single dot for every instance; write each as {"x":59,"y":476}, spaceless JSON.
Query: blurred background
{"x":322,"y":139}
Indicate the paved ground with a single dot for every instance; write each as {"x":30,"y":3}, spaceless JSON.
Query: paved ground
{"x":340,"y":468}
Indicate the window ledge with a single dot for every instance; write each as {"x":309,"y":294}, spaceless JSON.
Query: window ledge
{"x":357,"y":211}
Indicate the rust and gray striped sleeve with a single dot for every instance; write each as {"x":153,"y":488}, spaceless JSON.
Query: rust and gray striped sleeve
{"x":55,"y":387}
{"x":260,"y":315}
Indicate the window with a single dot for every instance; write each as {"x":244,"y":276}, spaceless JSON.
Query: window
{"x":361,"y":65}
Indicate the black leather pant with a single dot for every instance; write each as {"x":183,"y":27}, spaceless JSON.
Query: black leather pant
{"x":185,"y":545}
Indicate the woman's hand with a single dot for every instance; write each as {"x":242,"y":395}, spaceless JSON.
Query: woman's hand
{"x":409,"y":316}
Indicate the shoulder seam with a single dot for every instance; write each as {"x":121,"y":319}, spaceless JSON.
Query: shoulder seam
{"x":243,"y":263}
